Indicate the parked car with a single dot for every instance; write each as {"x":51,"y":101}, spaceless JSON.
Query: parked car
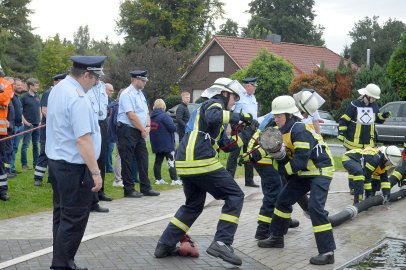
{"x":394,"y":128}
{"x":172,"y":111}
{"x":328,"y":126}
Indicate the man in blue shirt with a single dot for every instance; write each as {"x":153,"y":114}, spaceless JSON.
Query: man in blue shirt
{"x":31,"y":119}
{"x":133,"y":126}
{"x":73,"y":147}
{"x":246,"y":104}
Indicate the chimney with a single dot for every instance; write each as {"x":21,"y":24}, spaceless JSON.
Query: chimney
{"x":276,"y":39}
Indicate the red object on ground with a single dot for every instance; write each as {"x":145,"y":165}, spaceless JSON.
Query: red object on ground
{"x":188,"y":247}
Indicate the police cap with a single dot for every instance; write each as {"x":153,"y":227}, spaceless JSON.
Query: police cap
{"x":90,"y":63}
{"x":252,"y":81}
{"x":59,"y":77}
{"x":140,"y":74}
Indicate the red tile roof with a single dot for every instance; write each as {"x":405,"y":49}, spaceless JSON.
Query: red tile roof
{"x":304,"y":58}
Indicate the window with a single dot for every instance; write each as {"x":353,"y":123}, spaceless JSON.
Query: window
{"x":216,"y":63}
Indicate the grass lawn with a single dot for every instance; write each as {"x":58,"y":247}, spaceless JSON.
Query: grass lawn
{"x":25,"y":198}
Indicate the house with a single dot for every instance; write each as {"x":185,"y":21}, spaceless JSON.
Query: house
{"x":224,"y":55}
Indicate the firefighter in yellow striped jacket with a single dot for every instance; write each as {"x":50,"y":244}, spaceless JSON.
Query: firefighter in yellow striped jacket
{"x":398,"y":176}
{"x":305,"y":157}
{"x":198,"y":165}
{"x":271,"y":182}
{"x":368,"y":169}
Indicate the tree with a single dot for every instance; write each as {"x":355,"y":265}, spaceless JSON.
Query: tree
{"x":53,"y":59}
{"x":179,"y":24}
{"x":381,"y":40}
{"x":397,"y":68}
{"x":292,"y":19}
{"x":313,"y":81}
{"x":229,"y":28}
{"x":19,"y":52}
{"x":164,"y":66}
{"x":81,"y":40}
{"x":274,"y":77}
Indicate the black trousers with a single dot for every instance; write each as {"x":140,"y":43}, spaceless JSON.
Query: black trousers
{"x":221,"y":186}
{"x":131,"y":145}
{"x":290,"y":194}
{"x":271,"y":184}
{"x":159,"y":158}
{"x":42,"y":161}
{"x":103,"y":151}
{"x":232,"y":165}
{"x":72,"y":197}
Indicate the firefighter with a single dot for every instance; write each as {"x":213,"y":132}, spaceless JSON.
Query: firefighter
{"x":198,"y":165}
{"x":305,"y":157}
{"x":399,"y":173}
{"x":368,"y":168}
{"x":271,"y":182}
{"x":356,"y":127}
{"x":6,"y":93}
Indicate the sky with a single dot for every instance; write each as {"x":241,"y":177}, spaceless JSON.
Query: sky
{"x":337,"y":16}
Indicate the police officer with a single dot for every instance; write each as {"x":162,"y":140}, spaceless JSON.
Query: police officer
{"x":99,"y":100}
{"x":42,"y":162}
{"x":73,"y":147}
{"x":246,"y":104}
{"x":306,"y":157}
{"x":198,"y":165}
{"x":356,"y":128}
{"x":133,"y":126}
{"x":368,"y":169}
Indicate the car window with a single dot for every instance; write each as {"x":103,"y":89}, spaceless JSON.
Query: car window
{"x":402,"y":110}
{"x":393,"y":108}
{"x":326,"y":115}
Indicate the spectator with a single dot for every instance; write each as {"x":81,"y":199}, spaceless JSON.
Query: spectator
{"x":182,"y":114}
{"x":110,"y":146}
{"x":18,"y":123}
{"x":162,"y":138}
{"x":31,"y":119}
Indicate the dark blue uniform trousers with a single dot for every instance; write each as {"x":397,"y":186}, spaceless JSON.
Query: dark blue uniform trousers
{"x":131,"y":145}
{"x":354,"y":168}
{"x":271,"y":184}
{"x":291,"y":192}
{"x":42,"y":161}
{"x":221,"y":186}
{"x":72,"y":197}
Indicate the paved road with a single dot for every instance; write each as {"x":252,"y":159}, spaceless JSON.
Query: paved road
{"x":126,"y":237}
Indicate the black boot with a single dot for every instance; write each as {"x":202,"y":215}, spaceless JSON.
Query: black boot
{"x":322,"y":259}
{"x":293,"y":223}
{"x":162,"y":250}
{"x":223,"y":251}
{"x":272,"y":242}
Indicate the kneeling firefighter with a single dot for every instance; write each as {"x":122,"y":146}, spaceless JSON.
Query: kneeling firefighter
{"x":304,"y":157}
{"x":368,"y":169}
{"x":198,"y":165}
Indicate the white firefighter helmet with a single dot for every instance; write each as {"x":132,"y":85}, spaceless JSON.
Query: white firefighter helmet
{"x":224,"y":84}
{"x":392,"y":153}
{"x":308,"y":100}
{"x":371,"y":90}
{"x":284,"y":104}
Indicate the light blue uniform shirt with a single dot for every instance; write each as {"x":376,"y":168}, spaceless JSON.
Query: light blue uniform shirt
{"x":248,"y":104}
{"x":99,"y":100}
{"x":132,"y":100}
{"x":70,"y":116}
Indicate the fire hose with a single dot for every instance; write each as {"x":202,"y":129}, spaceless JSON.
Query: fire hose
{"x":23,"y":132}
